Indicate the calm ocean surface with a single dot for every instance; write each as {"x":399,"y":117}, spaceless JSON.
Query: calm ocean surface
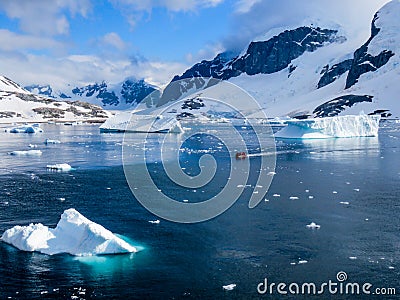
{"x":348,"y":186}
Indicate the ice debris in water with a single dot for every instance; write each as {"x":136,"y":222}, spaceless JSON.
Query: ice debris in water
{"x":74,"y":234}
{"x":344,"y":202}
{"x":312,"y":225}
{"x":26,"y":153}
{"x":294,"y":198}
{"x":59,"y":167}
{"x":229,"y":287}
{"x":155,"y":222}
{"x":49,"y":141}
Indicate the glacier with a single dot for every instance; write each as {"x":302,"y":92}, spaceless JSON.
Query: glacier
{"x":133,"y":122}
{"x":74,"y":234}
{"x":331,"y":127}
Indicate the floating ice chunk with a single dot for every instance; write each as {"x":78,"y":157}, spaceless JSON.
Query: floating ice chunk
{"x":229,"y":287}
{"x":357,"y":190}
{"x":310,"y":197}
{"x":302,"y":262}
{"x":155,"y":222}
{"x":294,"y":198}
{"x":74,"y":234}
{"x":25,"y":129}
{"x":26,"y":153}
{"x":49,"y":141}
{"x":344,"y":202}
{"x":271,"y":173}
{"x":32,"y":146}
{"x":331,"y":127}
{"x":391,"y":268}
{"x":312,"y":225}
{"x":59,"y":167}
{"x":276,"y":195}
{"x":334,"y":192}
{"x":353,"y":257}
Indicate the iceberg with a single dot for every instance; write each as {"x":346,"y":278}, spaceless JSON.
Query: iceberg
{"x":25,"y":129}
{"x":331,"y":127}
{"x":49,"y":141}
{"x":74,"y":234}
{"x":26,"y":153}
{"x":131,"y":122}
{"x":59,"y":167}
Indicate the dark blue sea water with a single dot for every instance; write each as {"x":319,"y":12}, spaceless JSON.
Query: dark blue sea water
{"x":242,"y":246}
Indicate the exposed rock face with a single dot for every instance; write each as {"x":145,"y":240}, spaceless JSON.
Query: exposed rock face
{"x":329,"y":75}
{"x":364,"y":62}
{"x":130,"y":92}
{"x":264,"y":57}
{"x":135,"y":91}
{"x":334,"y":107}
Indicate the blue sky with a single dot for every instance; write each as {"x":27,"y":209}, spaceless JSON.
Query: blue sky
{"x":77,"y":42}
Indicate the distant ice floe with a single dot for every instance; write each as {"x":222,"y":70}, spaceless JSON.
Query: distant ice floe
{"x":25,"y":129}
{"x":312,"y":225}
{"x":155,"y":222}
{"x":229,"y":287}
{"x":49,"y":141}
{"x":26,"y":153}
{"x":74,"y":234}
{"x":331,"y":127}
{"x":59,"y":167}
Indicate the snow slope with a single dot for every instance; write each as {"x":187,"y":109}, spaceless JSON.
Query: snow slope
{"x":313,"y":71}
{"x":19,"y":105}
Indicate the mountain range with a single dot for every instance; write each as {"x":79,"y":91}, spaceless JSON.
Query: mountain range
{"x":312,"y":70}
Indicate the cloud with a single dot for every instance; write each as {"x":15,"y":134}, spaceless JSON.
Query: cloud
{"x":244,"y":6}
{"x":207,"y":52}
{"x":114,"y":40}
{"x":253,"y":18}
{"x":45,"y":17}
{"x":79,"y":70}
{"x":135,"y":10}
{"x":21,"y":42}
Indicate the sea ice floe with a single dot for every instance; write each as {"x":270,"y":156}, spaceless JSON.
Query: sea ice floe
{"x":294,"y":198}
{"x":276,"y":195}
{"x":229,"y":287}
{"x":25,"y":129}
{"x":74,"y":234}
{"x":155,"y":222}
{"x":26,"y":153}
{"x":357,"y":190}
{"x":59,"y":167}
{"x":312,"y":225}
{"x":49,"y":141}
{"x":302,"y":262}
{"x":353,"y":257}
{"x":344,"y":202}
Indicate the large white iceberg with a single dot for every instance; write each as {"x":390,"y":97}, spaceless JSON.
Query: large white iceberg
{"x":25,"y":129}
{"x":132,"y":122}
{"x":74,"y":234}
{"x":331,"y":127}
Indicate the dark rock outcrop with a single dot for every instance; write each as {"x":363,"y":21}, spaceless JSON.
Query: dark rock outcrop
{"x":364,"y":62}
{"x":329,"y":75}
{"x":334,"y":107}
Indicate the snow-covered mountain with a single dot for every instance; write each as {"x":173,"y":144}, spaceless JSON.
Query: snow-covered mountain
{"x":119,"y":96}
{"x":311,"y":70}
{"x":19,"y":105}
